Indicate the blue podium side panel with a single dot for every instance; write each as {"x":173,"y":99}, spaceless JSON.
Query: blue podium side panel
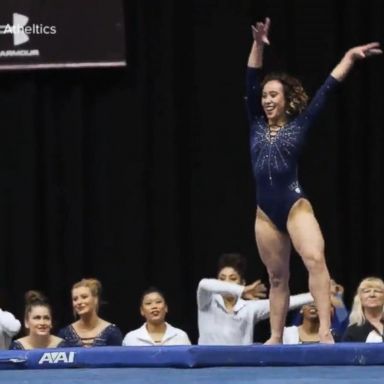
{"x":196,"y":356}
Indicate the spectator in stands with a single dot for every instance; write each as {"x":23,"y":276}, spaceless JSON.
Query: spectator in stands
{"x":155,"y":330}
{"x":308,"y":330}
{"x":228,"y":309}
{"x":38,"y":324}
{"x":339,"y":320}
{"x":366,"y":318}
{"x":89,"y":330}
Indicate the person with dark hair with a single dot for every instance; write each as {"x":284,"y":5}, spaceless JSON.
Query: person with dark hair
{"x":228,"y":309}
{"x":279,"y":120}
{"x":89,"y":330}
{"x":155,"y":330}
{"x":307,"y":331}
{"x":38,"y":324}
{"x":339,"y":318}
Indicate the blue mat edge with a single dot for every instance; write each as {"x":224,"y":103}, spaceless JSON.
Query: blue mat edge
{"x":196,"y":356}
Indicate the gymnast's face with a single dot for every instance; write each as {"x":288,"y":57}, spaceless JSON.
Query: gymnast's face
{"x":273,"y":102}
{"x":230,"y":275}
{"x":83,"y":301}
{"x":372,"y":295}
{"x":154,"y":308}
{"x":39,"y":321}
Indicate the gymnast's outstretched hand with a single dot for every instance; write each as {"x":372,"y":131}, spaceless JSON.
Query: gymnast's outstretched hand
{"x":364,"y":51}
{"x":260,"y":32}
{"x":352,"y":55}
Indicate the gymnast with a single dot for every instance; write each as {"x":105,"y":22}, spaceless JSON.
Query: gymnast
{"x":279,"y":119}
{"x":38,"y":324}
{"x":89,"y":330}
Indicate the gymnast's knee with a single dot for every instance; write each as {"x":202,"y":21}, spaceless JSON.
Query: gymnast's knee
{"x":278,"y":279}
{"x":314,"y":261}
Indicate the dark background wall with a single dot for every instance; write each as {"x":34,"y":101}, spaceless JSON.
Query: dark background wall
{"x":141,"y":176}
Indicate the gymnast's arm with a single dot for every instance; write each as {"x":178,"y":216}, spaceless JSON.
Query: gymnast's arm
{"x":351,"y":56}
{"x":338,"y":74}
{"x":255,"y":63}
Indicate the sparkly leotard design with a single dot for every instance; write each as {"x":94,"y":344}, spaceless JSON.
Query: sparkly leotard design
{"x":274,"y":158}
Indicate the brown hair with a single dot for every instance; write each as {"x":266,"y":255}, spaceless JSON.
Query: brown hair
{"x":35,"y":299}
{"x":294,"y":93}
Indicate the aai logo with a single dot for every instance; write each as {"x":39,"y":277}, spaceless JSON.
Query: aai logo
{"x":57,"y":357}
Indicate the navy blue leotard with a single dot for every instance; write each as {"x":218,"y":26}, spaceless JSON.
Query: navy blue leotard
{"x":274,"y":159}
{"x":109,"y":336}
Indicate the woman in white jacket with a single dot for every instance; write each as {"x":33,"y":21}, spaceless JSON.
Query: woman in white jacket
{"x":155,"y":331}
{"x":228,"y":309}
{"x":9,"y":326}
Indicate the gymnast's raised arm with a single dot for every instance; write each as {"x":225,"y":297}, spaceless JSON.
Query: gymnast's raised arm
{"x":351,"y":56}
{"x":260,"y":37}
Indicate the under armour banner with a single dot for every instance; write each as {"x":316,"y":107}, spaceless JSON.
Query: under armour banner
{"x":39,"y":34}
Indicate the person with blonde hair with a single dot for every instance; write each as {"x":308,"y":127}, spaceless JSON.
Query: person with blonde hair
{"x":38,"y":324}
{"x":367,"y":314}
{"x":89,"y":330}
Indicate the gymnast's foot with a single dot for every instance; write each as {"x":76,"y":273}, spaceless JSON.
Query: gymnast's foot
{"x":273,"y":340}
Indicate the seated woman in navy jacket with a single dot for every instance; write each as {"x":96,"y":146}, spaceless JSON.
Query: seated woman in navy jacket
{"x":38,"y":324}
{"x":89,"y":330}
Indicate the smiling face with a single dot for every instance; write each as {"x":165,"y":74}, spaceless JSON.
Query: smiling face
{"x":154,"y":308}
{"x":273,"y":102}
{"x":83,"y":301}
{"x":39,"y":321}
{"x":309,"y":312}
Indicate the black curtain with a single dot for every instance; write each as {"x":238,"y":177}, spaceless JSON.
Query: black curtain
{"x":141,"y":176}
